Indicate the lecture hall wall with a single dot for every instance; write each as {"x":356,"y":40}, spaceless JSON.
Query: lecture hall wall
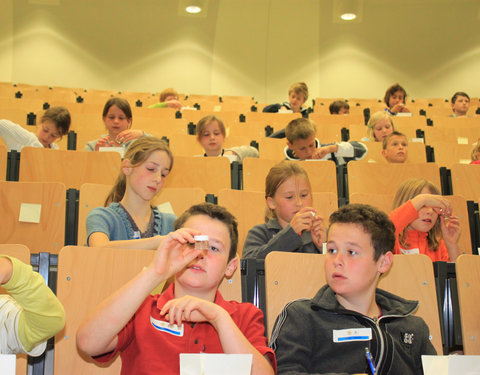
{"x":244,"y":47}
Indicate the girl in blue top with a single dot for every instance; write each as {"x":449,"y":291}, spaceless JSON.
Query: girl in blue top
{"x":128,"y":220}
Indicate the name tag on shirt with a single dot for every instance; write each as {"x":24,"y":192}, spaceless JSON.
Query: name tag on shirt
{"x":409,"y":251}
{"x":352,"y":334}
{"x":166,"y":327}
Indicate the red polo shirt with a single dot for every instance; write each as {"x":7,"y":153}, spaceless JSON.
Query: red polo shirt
{"x":149,"y":346}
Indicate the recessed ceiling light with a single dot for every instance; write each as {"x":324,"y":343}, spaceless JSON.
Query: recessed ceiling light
{"x":348,"y":16}
{"x":193,"y":9}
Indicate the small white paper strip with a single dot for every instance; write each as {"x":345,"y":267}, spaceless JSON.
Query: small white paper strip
{"x":215,"y":364}
{"x":217,"y":108}
{"x":166,"y":208}
{"x":451,"y":365}
{"x":404,"y":114}
{"x":417,"y":140}
{"x":120,"y":150}
{"x":30,"y":213}
{"x":7,"y":364}
{"x":462,"y":141}
{"x":465,"y":161}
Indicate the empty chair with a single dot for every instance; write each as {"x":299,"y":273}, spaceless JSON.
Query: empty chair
{"x":33,"y":214}
{"x":466,"y":180}
{"x":73,"y":168}
{"x":448,"y":153}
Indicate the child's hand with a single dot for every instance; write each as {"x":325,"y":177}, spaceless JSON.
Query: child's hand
{"x":175,"y":252}
{"x":302,"y":220}
{"x":128,"y":135}
{"x":320,"y":152}
{"x":450,"y":226}
{"x":440,"y":205}
{"x":191,"y":309}
{"x":103,"y":142}
{"x":173,"y":104}
{"x":399,"y":108}
{"x":318,"y":232}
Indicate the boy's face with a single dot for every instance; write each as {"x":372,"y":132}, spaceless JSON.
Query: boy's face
{"x":396,"y":98}
{"x":303,"y":148}
{"x":460,"y":107}
{"x":396,"y":150}
{"x":350,"y":268}
{"x":296,"y":101}
{"x":344,"y":111}
{"x":47,"y":133}
{"x":205,"y":273}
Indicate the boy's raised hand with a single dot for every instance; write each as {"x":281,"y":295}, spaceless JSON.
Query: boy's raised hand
{"x":175,"y":252}
{"x":318,"y":232}
{"x":302,"y":220}
{"x":320,"y":152}
{"x":191,"y":309}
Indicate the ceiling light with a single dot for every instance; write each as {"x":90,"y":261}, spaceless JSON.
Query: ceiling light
{"x":348,"y":16}
{"x":193,"y":9}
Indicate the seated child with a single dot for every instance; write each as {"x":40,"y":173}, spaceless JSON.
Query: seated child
{"x":128,"y":219}
{"x":190,"y":316}
{"x":313,"y":336}
{"x":302,"y":145}
{"x":339,"y":107}
{"x":291,"y":224}
{"x":476,"y":153}
{"x":211,"y":135}
{"x":379,"y":126}
{"x":424,"y":223}
{"x":117,"y":117}
{"x":460,"y":102}
{"x":30,"y":314}
{"x":395,"y":147}
{"x":297,"y":96}
{"x":54,"y":124}
{"x":168,"y":99}
{"x":395,"y":97}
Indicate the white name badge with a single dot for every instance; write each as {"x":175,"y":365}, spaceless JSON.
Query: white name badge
{"x":352,"y":334}
{"x":166,"y":327}
{"x":410,"y":251}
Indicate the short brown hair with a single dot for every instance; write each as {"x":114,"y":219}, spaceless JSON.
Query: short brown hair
{"x":60,"y":117}
{"x":299,"y":88}
{"x":300,"y":128}
{"x":215,"y":212}
{"x":121,"y":103}
{"x":457,"y":94}
{"x":204,"y":121}
{"x":387,"y":138}
{"x":337,"y":105}
{"x":373,"y":222}
{"x":392,"y":90}
{"x":166,"y":93}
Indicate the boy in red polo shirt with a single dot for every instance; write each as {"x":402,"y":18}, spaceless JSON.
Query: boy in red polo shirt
{"x":190,"y":316}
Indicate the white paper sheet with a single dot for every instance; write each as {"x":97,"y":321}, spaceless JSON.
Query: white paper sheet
{"x":451,"y":365}
{"x":215,"y":364}
{"x":30,"y":213}
{"x":7,"y":364}
{"x":166,"y":208}
{"x":120,"y":150}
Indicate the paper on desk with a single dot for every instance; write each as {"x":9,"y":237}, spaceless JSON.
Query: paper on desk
{"x":120,"y":150}
{"x":7,"y":364}
{"x":451,"y":365}
{"x":30,"y":213}
{"x":166,"y":208}
{"x":215,"y":364}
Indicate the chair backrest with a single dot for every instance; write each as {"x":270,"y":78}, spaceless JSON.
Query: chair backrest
{"x":448,"y":153}
{"x":73,"y":168}
{"x":86,"y":277}
{"x":21,"y":252}
{"x":323,"y":120}
{"x":210,"y":174}
{"x":3,"y":162}
{"x":22,"y":223}
{"x":94,"y":195}
{"x":271,"y":148}
{"x":385,"y":178}
{"x":249,"y":208}
{"x":322,"y":174}
{"x":416,"y":153}
{"x":466,"y":180}
{"x":468,"y":285}
{"x":276,"y":120}
{"x":306,"y":274}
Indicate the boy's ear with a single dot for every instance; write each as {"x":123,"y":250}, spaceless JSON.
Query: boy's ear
{"x":231,"y":267}
{"x":290,"y":146}
{"x":126,"y":167}
{"x":385,"y":262}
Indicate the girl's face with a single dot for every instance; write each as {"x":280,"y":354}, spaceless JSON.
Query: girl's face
{"x":382,"y":128}
{"x":396,"y":98}
{"x":116,"y":121}
{"x":427,"y":216}
{"x":146,"y":179}
{"x":47,"y":133}
{"x":293,"y":194}
{"x":212,"y":139}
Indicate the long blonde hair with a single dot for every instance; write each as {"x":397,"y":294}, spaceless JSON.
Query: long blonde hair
{"x":408,"y":190}
{"x":376,"y":117}
{"x":277,"y":176}
{"x":136,"y":154}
